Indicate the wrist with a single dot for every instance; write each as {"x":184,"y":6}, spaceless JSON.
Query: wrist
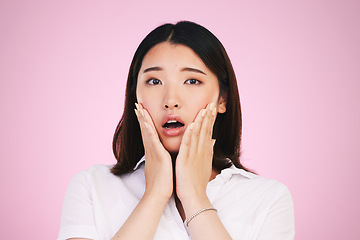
{"x":155,"y":197}
{"x":198,"y":213}
{"x":193,"y":205}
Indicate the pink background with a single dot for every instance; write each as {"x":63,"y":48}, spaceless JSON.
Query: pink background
{"x":63,"y":66}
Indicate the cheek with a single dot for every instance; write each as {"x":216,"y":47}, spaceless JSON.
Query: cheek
{"x":144,"y":97}
{"x":204,"y":98}
{"x":150,"y":103}
{"x":196,"y":102}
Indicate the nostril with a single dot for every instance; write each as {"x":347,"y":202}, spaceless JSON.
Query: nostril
{"x":173,"y":106}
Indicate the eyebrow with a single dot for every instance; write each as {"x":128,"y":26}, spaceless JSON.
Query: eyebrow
{"x":188,"y":69}
{"x":152,"y":69}
{"x":192,"y":70}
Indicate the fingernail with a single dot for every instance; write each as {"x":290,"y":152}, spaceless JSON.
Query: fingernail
{"x":214,"y":141}
{"x":137,"y":106}
{"x":191,"y":126}
{"x":141,"y":112}
{"x":203,"y":112}
{"x":136,"y":112}
{"x":214,"y":112}
{"x":212,"y":106}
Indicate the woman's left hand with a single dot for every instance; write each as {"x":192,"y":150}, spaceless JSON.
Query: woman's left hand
{"x":194,"y":162}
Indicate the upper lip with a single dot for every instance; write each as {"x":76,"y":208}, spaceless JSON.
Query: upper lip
{"x":171,"y":117}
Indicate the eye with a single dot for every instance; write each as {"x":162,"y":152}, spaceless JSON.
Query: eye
{"x":192,"y":81}
{"x":153,"y":81}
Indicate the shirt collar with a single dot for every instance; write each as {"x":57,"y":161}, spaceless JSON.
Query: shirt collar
{"x":234,"y":170}
{"x":224,"y":174}
{"x":139,"y":163}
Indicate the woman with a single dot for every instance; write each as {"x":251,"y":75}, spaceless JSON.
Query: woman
{"x":178,"y":173}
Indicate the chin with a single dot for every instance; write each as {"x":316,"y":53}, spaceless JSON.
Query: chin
{"x":172,"y":146}
{"x":172,"y":149}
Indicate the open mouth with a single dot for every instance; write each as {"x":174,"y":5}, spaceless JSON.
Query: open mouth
{"x":171,"y":124}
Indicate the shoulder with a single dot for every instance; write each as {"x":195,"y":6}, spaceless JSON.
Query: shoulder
{"x":98,"y":178}
{"x":242,"y":176}
{"x":246,"y":183}
{"x":96,"y":173}
{"x":250,"y":205}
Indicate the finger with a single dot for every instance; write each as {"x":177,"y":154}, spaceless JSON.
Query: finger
{"x":148,"y":119}
{"x":139,"y":115}
{"x":143,"y":127}
{"x":149,"y":134}
{"x":195,"y":133}
{"x":185,"y":143}
{"x":207,"y":128}
{"x":153,"y":144}
{"x":213,"y":113}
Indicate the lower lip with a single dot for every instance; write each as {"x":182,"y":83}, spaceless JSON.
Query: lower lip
{"x":173,"y":132}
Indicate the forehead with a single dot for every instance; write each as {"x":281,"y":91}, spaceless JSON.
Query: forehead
{"x":167,"y":54}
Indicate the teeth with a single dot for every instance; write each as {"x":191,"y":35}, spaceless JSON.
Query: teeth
{"x":171,"y":121}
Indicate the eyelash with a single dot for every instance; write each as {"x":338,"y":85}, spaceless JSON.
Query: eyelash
{"x":196,"y":81}
{"x":151,"y":81}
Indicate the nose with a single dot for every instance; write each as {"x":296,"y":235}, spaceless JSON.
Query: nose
{"x":171,"y":99}
{"x":171,"y":105}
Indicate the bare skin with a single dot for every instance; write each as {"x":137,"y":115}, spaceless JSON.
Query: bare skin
{"x":174,"y":81}
{"x":194,"y":157}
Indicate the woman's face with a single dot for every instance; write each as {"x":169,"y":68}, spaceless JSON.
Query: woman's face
{"x":174,"y":85}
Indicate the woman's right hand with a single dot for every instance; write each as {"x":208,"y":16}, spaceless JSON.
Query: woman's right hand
{"x":158,"y":164}
{"x":159,"y":184}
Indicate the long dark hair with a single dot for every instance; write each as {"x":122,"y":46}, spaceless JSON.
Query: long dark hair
{"x":127,"y":143}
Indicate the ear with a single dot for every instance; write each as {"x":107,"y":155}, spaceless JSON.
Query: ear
{"x":222,"y":103}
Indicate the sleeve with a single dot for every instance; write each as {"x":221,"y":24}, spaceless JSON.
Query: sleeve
{"x":279,"y":223}
{"x":77,"y":217}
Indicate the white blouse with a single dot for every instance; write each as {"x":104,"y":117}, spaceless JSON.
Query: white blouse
{"x":97,"y":203}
